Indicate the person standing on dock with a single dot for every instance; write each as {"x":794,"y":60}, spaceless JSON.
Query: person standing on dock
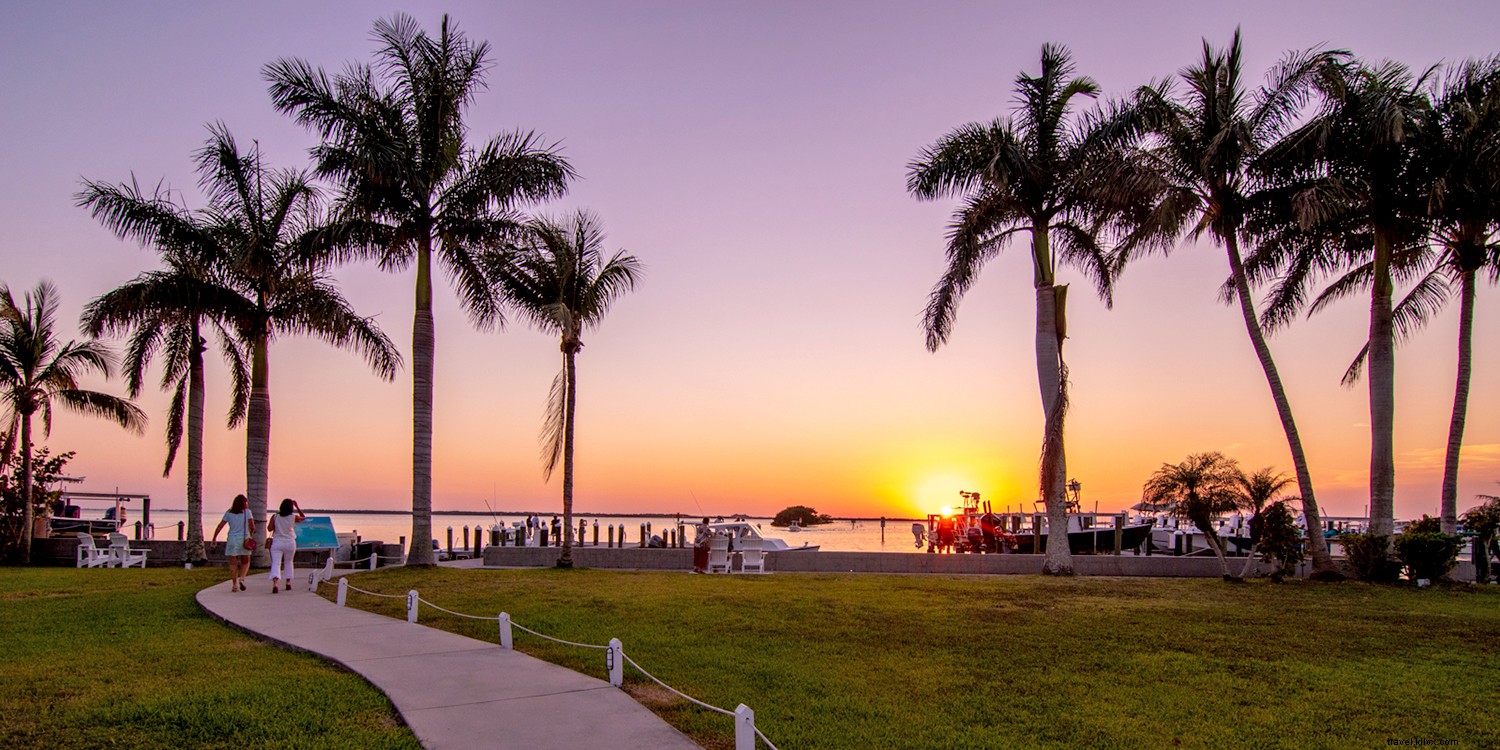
{"x":700,"y":547}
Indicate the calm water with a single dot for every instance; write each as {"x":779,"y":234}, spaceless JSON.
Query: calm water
{"x":859,"y":536}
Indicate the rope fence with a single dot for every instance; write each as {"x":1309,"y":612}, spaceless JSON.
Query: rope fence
{"x":745,"y":731}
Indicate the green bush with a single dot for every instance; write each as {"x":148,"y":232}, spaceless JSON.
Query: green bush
{"x":1275,"y":533}
{"x":1369,"y":555}
{"x":1428,"y":554}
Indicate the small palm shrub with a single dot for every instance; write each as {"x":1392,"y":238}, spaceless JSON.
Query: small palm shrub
{"x":1369,"y":556}
{"x":1275,"y":533}
{"x":1484,"y":522}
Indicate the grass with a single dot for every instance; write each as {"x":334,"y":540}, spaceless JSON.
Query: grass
{"x":127,"y":659}
{"x":865,"y":661}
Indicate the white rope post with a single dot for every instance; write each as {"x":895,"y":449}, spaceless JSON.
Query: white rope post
{"x":373,"y":558}
{"x":505,"y":637}
{"x":343,"y":591}
{"x":328,"y":569}
{"x":744,"y":728}
{"x":614,"y":663}
{"x":411,"y":606}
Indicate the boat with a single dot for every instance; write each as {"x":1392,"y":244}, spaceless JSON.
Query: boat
{"x":66,"y":518}
{"x":794,"y":526}
{"x":737,"y":530}
{"x":977,"y":528}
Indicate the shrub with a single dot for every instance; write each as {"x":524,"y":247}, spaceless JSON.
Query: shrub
{"x":1369,"y":555}
{"x":1428,"y":554}
{"x":1275,"y":533}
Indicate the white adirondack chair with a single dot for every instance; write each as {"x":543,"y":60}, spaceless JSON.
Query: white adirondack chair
{"x":123,"y":555}
{"x":752,"y":556}
{"x":718,"y":554}
{"x":90,"y":556}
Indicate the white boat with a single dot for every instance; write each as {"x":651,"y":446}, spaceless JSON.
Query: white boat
{"x":737,"y":530}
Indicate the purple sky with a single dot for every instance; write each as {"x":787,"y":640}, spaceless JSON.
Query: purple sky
{"x":753,"y":156}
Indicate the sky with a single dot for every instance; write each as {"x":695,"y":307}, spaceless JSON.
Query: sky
{"x":753,"y":157}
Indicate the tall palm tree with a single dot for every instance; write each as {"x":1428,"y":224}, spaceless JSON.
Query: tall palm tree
{"x":1045,"y":173}
{"x":1200,"y":489}
{"x":562,"y":283}
{"x":1466,"y":218}
{"x":37,"y":368}
{"x":394,"y":139}
{"x":1256,"y":492}
{"x":1356,"y":193}
{"x":1204,"y":142}
{"x":169,"y":312}
{"x":271,"y":224}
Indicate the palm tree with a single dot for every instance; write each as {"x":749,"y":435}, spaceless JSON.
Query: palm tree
{"x":271,"y":224}
{"x":168,"y":312}
{"x":394,"y":139}
{"x":1466,"y":217}
{"x":1049,"y":175}
{"x":1204,"y":143}
{"x":563,"y":284}
{"x":1200,"y":489}
{"x":36,"y":368}
{"x":1355,"y":193}
{"x":1256,"y":492}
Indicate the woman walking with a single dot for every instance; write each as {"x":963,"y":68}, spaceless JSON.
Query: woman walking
{"x":283,"y":527}
{"x":241,"y":527}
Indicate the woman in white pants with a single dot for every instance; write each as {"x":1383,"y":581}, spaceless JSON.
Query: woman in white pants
{"x":283,"y":528}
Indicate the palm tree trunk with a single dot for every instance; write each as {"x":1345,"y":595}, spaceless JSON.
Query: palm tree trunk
{"x":1449,"y":506}
{"x":1249,"y":561}
{"x":570,"y":403}
{"x":1054,"y":470}
{"x":1216,"y":544}
{"x":423,"y":345}
{"x":1322,"y":561}
{"x":28,"y":514}
{"x":258,"y":443}
{"x":195,"y":551}
{"x":1382,"y":361}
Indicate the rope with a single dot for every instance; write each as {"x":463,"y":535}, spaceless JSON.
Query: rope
{"x":685,"y":696}
{"x":352,"y":587}
{"x":764,"y":738}
{"x":550,"y":638}
{"x":456,"y":614}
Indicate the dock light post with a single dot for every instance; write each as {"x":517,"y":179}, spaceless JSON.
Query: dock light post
{"x":343,"y":591}
{"x":505,"y":636}
{"x":411,"y":606}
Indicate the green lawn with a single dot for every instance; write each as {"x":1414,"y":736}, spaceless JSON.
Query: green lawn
{"x":877,"y":661}
{"x":127,"y":659}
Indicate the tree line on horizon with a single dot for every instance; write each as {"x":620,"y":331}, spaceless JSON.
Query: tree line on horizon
{"x":1337,"y":170}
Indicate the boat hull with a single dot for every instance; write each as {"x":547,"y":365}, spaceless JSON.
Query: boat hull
{"x":1090,"y":541}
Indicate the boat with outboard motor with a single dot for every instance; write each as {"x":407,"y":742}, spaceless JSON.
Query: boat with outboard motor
{"x":977,"y":528}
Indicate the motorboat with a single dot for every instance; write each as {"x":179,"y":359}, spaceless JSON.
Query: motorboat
{"x":738,"y":530}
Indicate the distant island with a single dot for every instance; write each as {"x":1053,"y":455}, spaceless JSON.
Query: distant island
{"x":801,"y":515}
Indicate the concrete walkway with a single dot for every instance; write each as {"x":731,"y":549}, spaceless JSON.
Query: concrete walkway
{"x":454,"y":692}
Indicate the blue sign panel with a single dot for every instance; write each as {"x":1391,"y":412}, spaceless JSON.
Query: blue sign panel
{"x":316,"y":532}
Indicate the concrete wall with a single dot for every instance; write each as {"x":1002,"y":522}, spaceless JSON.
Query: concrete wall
{"x":63,"y":552}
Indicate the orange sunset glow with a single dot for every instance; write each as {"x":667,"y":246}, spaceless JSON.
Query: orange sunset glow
{"x":773,"y":354}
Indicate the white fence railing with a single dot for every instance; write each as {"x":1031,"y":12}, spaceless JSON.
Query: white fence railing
{"x":615,"y":658}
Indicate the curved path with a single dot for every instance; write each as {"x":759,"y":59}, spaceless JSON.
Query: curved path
{"x":454,"y":692}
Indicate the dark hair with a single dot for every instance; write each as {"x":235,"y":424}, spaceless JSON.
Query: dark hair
{"x":238,"y":504}
{"x":286,"y":507}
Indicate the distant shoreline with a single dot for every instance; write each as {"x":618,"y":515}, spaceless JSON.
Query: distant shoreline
{"x":523,"y":513}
